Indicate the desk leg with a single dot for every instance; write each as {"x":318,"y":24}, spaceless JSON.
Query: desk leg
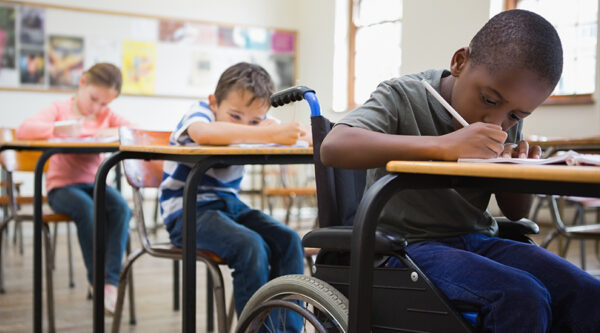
{"x":189,"y":246}
{"x":100,"y":237}
{"x":37,"y":242}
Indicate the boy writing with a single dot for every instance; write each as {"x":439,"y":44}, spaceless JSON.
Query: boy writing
{"x":256,"y":246}
{"x":510,"y":67}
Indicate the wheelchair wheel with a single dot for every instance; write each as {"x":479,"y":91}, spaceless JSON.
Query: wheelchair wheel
{"x":321,"y":307}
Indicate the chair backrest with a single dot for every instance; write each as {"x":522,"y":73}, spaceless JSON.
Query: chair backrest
{"x":141,"y":173}
{"x":23,"y":161}
{"x":338,"y":190}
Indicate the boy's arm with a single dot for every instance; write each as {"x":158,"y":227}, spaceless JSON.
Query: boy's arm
{"x":357,"y":148}
{"x":516,"y":206}
{"x":225,"y":133}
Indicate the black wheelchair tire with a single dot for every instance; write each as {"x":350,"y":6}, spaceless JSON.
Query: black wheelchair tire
{"x":312,"y":291}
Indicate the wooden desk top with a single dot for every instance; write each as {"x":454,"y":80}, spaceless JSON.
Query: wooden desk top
{"x":217,"y":150}
{"x":58,"y":144}
{"x":593,"y":141}
{"x":578,"y":174}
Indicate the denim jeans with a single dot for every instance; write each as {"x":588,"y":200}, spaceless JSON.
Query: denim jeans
{"x":256,"y":246}
{"x":517,"y":287}
{"x":76,"y":201}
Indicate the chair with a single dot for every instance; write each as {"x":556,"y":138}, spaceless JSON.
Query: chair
{"x":24,"y":161}
{"x":286,"y":188}
{"x":148,"y":174}
{"x":578,"y":230}
{"x":321,"y":300}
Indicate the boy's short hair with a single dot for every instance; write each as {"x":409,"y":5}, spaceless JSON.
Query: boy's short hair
{"x":245,"y":77}
{"x":521,"y":39}
{"x":105,"y":75}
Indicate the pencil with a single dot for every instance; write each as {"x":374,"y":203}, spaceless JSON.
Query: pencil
{"x":440,"y":99}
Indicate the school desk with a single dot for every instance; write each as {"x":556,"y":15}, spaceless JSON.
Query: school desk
{"x":552,"y":146}
{"x":546,"y":179}
{"x":48,"y":148}
{"x":203,"y":158}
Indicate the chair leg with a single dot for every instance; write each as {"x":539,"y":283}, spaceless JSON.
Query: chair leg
{"x":231,"y":311}
{"x":54,"y":247}
{"x":3,"y":228}
{"x":70,"y":254}
{"x":551,"y":236}
{"x":132,"y":318}
{"x":176,"y":285}
{"x":123,"y":280}
{"x":219,"y":293}
{"x":49,"y":283}
{"x":210,"y":318}
{"x":579,"y":219}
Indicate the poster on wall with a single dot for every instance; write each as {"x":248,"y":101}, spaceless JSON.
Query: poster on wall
{"x":65,"y":61}
{"x":181,"y":32}
{"x":102,"y":50}
{"x":31,"y":66}
{"x":8,"y":50}
{"x":31,"y":50}
{"x":7,"y":38}
{"x":32,"y":26}
{"x":139,"y":61}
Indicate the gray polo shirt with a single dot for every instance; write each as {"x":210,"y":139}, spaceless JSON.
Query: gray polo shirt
{"x":402,"y":106}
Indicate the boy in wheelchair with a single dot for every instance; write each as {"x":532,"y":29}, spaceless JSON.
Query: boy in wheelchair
{"x":509,"y":68}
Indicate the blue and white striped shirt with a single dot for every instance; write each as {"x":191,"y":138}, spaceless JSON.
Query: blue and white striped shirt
{"x":216,"y":182}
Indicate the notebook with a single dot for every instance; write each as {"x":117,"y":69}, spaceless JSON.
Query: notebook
{"x":569,"y":158}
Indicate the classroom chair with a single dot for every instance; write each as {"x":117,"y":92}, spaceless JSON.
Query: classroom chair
{"x":24,"y":161}
{"x":418,"y":306}
{"x":288,"y":187}
{"x":578,"y":229}
{"x":142,"y":174}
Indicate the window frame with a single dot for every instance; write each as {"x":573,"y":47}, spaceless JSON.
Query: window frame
{"x":573,"y":99}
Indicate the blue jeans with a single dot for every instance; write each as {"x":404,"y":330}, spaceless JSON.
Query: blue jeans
{"x":77,"y":202}
{"x":517,"y":287}
{"x":256,"y":246}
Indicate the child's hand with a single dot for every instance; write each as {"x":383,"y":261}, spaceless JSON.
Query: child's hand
{"x":478,"y":140}
{"x":68,"y":128}
{"x":521,"y":150}
{"x":286,"y":133}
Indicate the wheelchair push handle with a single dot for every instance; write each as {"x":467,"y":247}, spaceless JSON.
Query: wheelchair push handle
{"x":294,"y":94}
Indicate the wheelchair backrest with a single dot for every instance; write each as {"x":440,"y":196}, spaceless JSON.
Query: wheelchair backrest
{"x":338,"y":190}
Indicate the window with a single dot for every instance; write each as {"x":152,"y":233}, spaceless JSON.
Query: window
{"x":576,"y":22}
{"x":374,"y":46}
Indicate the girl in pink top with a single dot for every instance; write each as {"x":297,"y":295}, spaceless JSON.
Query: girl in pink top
{"x":70,"y":177}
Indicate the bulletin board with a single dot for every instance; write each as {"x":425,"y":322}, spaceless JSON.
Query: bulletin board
{"x":47,"y":48}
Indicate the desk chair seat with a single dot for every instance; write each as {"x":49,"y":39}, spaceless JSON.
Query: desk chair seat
{"x":148,"y":174}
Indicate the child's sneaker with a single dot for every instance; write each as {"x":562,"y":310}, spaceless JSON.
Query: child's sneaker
{"x":110,"y":298}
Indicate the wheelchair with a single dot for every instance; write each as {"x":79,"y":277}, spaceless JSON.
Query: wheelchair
{"x":397,"y":300}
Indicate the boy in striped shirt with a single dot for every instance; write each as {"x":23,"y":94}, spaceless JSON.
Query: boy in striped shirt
{"x":255,"y":245}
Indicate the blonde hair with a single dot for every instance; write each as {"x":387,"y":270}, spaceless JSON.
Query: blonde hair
{"x":105,"y":75}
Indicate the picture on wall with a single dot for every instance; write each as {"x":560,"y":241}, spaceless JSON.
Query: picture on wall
{"x":8,"y":49}
{"x":139,"y":59}
{"x":65,"y":61}
{"x":31,"y":66}
{"x":32,"y":26}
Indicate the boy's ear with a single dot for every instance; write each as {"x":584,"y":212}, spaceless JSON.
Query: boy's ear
{"x":212,"y":102}
{"x":82,"y":81}
{"x":459,"y":61}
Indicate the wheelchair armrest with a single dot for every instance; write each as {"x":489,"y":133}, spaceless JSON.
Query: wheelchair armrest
{"x":340,"y":238}
{"x":509,"y":229}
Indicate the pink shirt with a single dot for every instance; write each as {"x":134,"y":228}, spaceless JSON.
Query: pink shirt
{"x":67,"y":169}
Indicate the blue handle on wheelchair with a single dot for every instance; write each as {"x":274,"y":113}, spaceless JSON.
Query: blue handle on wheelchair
{"x":295,"y":94}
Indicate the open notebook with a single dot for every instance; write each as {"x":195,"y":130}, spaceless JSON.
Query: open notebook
{"x":569,"y":158}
